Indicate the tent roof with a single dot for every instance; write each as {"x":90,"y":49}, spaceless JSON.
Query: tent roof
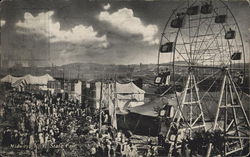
{"x":19,"y":82}
{"x":9,"y":79}
{"x":209,"y":107}
{"x":128,"y":88}
{"x":29,"y":79}
{"x":148,"y":108}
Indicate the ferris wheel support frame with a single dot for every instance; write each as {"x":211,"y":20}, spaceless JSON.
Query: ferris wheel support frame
{"x":193,"y":122}
{"x":228,"y":86}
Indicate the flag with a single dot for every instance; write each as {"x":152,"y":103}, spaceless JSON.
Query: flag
{"x":220,"y":19}
{"x":194,"y":10}
{"x":207,"y":9}
{"x":158,"y":80}
{"x":230,"y":34}
{"x":177,"y":23}
{"x":167,"y":47}
{"x":236,"y":56}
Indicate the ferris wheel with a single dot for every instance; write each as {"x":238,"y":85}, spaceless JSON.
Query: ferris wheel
{"x":202,"y":46}
{"x":202,"y":34}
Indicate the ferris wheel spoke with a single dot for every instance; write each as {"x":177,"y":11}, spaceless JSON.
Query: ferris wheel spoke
{"x":189,"y":35}
{"x":182,"y":56}
{"x":197,"y":83}
{"x":177,"y":50}
{"x":198,"y":32}
{"x":195,"y":43}
{"x":221,"y":54}
{"x":208,"y":77}
{"x":206,"y":32}
{"x":210,"y":87}
{"x":207,"y":48}
{"x":209,"y":45}
{"x":213,"y":98}
{"x":189,"y":56}
{"x":222,"y":44}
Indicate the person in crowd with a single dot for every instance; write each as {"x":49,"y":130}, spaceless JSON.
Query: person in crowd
{"x":51,"y":121}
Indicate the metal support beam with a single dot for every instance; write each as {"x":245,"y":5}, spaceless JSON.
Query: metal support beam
{"x":236,"y":130}
{"x":193,"y":119}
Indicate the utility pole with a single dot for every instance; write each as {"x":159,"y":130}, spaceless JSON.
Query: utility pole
{"x":1,"y":53}
{"x":114,"y":120}
{"x":78,"y":72}
{"x":100,"y":108}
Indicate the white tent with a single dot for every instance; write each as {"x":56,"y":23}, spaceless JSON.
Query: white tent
{"x":9,"y":79}
{"x":128,"y":94}
{"x":130,"y":91}
{"x":19,"y":84}
{"x":128,"y":88}
{"x":39,"y":80}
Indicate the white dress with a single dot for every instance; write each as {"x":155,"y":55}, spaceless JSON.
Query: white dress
{"x":32,"y":141}
{"x":41,"y":139}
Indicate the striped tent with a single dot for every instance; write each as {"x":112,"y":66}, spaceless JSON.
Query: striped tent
{"x":19,"y":84}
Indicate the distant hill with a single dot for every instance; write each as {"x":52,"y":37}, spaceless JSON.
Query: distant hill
{"x":86,"y":71}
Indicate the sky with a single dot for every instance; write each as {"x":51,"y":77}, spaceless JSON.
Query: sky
{"x":108,"y":32}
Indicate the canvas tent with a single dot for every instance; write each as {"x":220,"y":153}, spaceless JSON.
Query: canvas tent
{"x":34,"y":80}
{"x":19,"y":84}
{"x":209,"y":105}
{"x":117,"y":97}
{"x":10,"y":79}
{"x":128,"y":94}
{"x":41,"y":80}
{"x":149,"y":108}
{"x":142,"y":118}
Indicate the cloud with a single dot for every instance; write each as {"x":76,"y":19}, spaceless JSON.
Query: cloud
{"x":106,"y":7}
{"x":2,"y":23}
{"x":43,"y":24}
{"x":248,"y":1}
{"x":125,"y":21}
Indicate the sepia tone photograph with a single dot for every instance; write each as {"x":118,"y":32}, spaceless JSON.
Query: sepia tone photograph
{"x":124,"y":78}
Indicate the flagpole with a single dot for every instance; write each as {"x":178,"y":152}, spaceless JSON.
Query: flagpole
{"x":100,"y":109}
{"x":115,"y":105}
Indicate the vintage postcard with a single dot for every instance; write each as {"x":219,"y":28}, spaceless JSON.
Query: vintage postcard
{"x":124,"y":78}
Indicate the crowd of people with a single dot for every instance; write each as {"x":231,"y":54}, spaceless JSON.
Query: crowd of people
{"x":47,"y":124}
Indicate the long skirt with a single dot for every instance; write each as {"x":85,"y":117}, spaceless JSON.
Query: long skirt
{"x":31,"y":141}
{"x":41,"y":138}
